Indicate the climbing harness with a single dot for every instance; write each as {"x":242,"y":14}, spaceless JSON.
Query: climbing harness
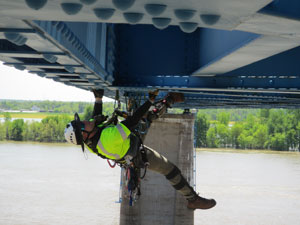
{"x":135,"y":168}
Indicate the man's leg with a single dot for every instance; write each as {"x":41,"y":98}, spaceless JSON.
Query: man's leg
{"x":162,"y":165}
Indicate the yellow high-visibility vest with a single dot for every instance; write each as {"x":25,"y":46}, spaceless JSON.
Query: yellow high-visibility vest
{"x":114,"y":141}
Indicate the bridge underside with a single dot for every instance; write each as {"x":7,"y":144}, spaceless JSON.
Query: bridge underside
{"x":229,"y":53}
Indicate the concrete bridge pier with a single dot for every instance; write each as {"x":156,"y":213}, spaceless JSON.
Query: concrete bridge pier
{"x":159,"y":204}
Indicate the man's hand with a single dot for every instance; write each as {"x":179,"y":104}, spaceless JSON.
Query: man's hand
{"x":152,"y":95}
{"x":98,"y":93}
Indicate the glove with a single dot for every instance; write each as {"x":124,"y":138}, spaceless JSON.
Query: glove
{"x":152,"y":95}
{"x":98,"y":93}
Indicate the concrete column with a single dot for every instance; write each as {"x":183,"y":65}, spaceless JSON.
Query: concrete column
{"x":160,"y":204}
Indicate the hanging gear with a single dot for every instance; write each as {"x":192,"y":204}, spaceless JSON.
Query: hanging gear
{"x":132,"y":184}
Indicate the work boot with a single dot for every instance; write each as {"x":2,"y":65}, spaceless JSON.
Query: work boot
{"x":174,"y":97}
{"x":152,"y":95}
{"x":201,"y":203}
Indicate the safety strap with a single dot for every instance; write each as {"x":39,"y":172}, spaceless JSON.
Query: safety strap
{"x":181,"y":184}
{"x":174,"y":172}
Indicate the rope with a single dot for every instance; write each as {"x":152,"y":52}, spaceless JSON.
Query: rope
{"x":111,"y":165}
{"x":145,"y":171}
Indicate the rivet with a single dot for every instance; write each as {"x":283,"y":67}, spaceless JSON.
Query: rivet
{"x":36,"y":4}
{"x":71,"y":8}
{"x":123,"y":4}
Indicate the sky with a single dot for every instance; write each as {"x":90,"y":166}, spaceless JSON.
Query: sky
{"x":21,"y":85}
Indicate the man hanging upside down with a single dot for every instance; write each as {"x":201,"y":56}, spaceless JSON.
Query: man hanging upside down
{"x":119,"y":143}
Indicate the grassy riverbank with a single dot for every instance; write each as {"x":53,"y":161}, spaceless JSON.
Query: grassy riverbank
{"x":33,"y":115}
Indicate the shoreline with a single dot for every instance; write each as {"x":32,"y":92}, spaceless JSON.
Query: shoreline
{"x":35,"y":143}
{"x":244,"y":150}
{"x":224,"y":150}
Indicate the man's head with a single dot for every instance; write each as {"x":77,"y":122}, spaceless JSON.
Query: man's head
{"x":77,"y":132}
{"x":73,"y":131}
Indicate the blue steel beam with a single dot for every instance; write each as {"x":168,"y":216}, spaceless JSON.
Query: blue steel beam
{"x":246,"y":95}
{"x":216,"y":44}
{"x":202,"y":100}
{"x":70,"y":36}
{"x":17,"y":30}
{"x":144,"y":50}
{"x":220,"y":82}
{"x":28,"y":54}
{"x":282,"y":64}
{"x":284,"y":8}
{"x":43,"y":65}
{"x":138,"y":58}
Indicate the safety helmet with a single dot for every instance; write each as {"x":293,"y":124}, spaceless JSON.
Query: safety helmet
{"x":70,"y":134}
{"x":73,"y":133}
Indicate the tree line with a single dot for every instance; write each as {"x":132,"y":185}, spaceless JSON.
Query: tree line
{"x":49,"y":129}
{"x":276,"y":129}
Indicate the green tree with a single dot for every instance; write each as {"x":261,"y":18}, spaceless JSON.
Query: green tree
{"x":245,"y":140}
{"x":291,"y":138}
{"x":108,"y":108}
{"x":291,"y":123}
{"x":223,"y":134}
{"x":298,"y":136}
{"x":201,"y":128}
{"x":47,"y":130}
{"x":277,"y":142}
{"x":264,"y":114}
{"x":32,"y":131}
{"x":250,"y":122}
{"x":52,"y":128}
{"x":260,"y":137}
{"x":88,"y":112}
{"x":7,"y":124}
{"x":212,"y":140}
{"x":7,"y":116}
{"x":276,"y":122}
{"x":223,"y":118}
{"x":2,"y":131}
{"x":17,"y":130}
{"x":235,"y":132}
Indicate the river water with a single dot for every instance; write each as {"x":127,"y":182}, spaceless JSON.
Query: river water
{"x":46,"y":184}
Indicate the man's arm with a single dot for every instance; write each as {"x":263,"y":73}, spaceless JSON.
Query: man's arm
{"x":132,"y":121}
{"x":98,"y":102}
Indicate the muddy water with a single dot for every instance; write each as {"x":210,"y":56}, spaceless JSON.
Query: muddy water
{"x":54,"y":184}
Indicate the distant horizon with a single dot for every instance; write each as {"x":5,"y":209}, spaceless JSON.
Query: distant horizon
{"x":106,"y":100}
